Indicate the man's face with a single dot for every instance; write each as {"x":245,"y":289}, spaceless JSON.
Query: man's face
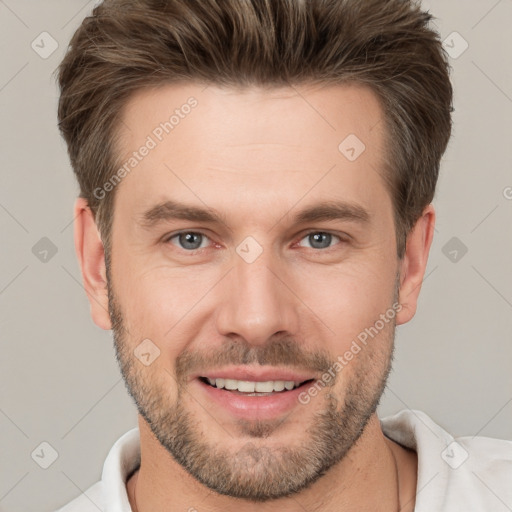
{"x":260,"y":293}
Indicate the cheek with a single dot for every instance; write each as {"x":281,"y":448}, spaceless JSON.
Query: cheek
{"x":164,"y":305}
{"x":348,"y":300}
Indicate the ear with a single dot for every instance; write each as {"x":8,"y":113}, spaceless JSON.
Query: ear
{"x":91,"y":257}
{"x":414,"y":263}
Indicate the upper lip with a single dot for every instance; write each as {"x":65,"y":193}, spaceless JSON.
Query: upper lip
{"x":256,"y":374}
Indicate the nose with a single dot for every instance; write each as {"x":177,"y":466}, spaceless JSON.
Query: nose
{"x":256,"y":302}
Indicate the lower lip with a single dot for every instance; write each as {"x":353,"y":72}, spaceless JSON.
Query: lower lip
{"x":253,"y":407}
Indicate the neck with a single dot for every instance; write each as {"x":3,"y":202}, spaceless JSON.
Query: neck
{"x":376,"y":474}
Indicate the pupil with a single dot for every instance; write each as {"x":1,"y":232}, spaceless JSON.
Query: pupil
{"x":190,"y":240}
{"x":320,"y":240}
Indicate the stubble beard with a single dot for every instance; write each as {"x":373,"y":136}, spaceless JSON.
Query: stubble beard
{"x":258,"y":471}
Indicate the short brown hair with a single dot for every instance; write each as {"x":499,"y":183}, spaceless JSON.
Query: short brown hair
{"x":387,"y":45}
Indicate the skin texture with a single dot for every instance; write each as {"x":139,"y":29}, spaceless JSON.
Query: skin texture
{"x":257,"y":157}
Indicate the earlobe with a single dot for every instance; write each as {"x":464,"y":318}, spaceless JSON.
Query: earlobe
{"x":91,"y":257}
{"x":414,"y":264}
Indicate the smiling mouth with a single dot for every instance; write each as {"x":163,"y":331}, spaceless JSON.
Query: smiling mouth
{"x":253,"y":388}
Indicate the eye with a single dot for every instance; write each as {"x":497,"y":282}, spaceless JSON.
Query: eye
{"x":193,"y":240}
{"x":319,"y":239}
{"x":189,"y":240}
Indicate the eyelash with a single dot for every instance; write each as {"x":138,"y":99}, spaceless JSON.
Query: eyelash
{"x":305,"y":235}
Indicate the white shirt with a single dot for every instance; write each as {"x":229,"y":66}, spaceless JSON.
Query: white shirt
{"x":468,"y":474}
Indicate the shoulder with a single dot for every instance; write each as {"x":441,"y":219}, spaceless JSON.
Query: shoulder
{"x":110,"y":492}
{"x":454,"y":473}
{"x":488,"y":458}
{"x":480,"y":471}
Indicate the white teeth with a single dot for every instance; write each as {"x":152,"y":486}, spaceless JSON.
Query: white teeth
{"x":279,"y":385}
{"x":264,"y":387}
{"x":245,"y":386}
{"x":230,"y":384}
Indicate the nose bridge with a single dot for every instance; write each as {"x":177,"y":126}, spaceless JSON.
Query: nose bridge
{"x":255,"y":302}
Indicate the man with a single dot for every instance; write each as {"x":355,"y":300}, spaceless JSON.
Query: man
{"x":254,"y":221}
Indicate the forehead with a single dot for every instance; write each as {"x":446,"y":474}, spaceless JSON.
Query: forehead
{"x":254,"y":115}
{"x":276,"y":146}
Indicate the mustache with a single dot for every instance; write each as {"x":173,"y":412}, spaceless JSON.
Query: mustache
{"x":281,"y":351}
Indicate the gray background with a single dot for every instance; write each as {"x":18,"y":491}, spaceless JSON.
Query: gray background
{"x":59,"y":380}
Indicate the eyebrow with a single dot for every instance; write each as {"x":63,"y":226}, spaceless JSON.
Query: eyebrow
{"x":328,"y":210}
